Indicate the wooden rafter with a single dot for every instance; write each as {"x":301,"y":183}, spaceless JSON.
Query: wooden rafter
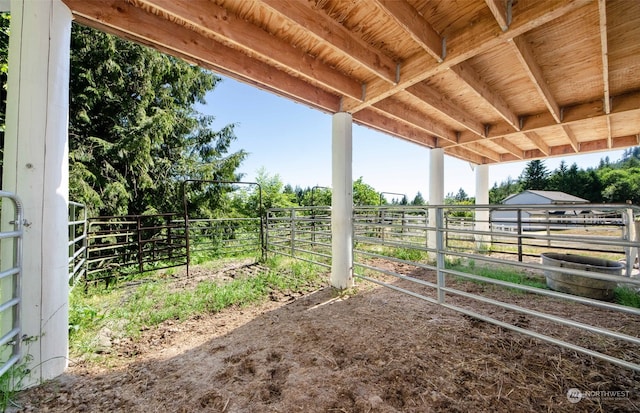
{"x":405,"y":113}
{"x":465,"y":154}
{"x":336,"y":36}
{"x":510,"y":147}
{"x":538,"y":142}
{"x":573,"y":140}
{"x":465,"y":44}
{"x":371,"y":117}
{"x":225,"y":26}
{"x":133,"y":23}
{"x":465,"y":72}
{"x":443,"y":104}
{"x":480,"y":149}
{"x":602,"y":12}
{"x":525,"y":55}
{"x":500,"y":11}
{"x":415,"y":25}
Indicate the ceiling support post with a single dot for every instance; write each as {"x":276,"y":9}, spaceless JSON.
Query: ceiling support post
{"x":36,"y":168}
{"x":481,"y":219}
{"x":436,"y":192}
{"x":342,"y":202}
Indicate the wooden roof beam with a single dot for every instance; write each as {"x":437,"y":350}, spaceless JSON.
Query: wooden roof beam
{"x":509,"y":147}
{"x":461,"y":153}
{"x":481,"y":36}
{"x":336,"y":36}
{"x":225,"y":26}
{"x":501,"y":10}
{"x":525,"y":55}
{"x":538,"y":142}
{"x":415,"y":25}
{"x":465,"y":73}
{"x":573,"y":140}
{"x":602,"y":12}
{"x":403,"y":112}
{"x":379,"y":120}
{"x":442,"y":104}
{"x":482,"y":150}
{"x":132,"y":23}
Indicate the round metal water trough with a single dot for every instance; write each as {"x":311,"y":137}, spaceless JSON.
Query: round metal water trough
{"x":579,"y":285}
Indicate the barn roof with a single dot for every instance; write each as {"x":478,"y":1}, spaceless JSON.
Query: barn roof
{"x":488,"y":81}
{"x":555,"y":197}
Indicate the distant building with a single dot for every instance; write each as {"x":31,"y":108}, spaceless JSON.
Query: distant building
{"x":534,"y":219}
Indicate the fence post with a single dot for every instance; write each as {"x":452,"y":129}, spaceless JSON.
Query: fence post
{"x":293,"y":232}
{"x":520,"y":235}
{"x":139,"y":230}
{"x":440,"y":263}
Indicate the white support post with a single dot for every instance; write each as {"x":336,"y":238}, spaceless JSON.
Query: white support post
{"x":436,"y":192}
{"x":36,"y":168}
{"x":342,"y":202}
{"x":482,"y":198}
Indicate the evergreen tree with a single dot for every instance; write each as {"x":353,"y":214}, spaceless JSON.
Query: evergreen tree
{"x":535,"y":176}
{"x":134,"y":132}
{"x":418,"y":200}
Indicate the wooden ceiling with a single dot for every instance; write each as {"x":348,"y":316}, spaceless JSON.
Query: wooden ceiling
{"x":489,"y":81}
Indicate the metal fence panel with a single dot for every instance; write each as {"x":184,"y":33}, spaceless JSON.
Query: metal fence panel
{"x":10,"y":280}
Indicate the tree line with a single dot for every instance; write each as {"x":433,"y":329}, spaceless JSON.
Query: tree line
{"x":609,"y":182}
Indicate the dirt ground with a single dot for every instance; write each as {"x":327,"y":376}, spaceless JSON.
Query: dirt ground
{"x":371,"y":350}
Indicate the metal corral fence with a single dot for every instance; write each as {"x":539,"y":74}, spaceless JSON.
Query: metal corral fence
{"x":453,"y":258}
{"x":462,"y":256}
{"x":302,"y":233}
{"x":78,"y":225}
{"x":104,"y":248}
{"x":10,"y":279}
{"x":119,"y":245}
{"x":225,"y":237}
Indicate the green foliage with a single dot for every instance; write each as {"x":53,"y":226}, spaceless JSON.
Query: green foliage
{"x":535,"y":176}
{"x":364,"y":194}
{"x":418,"y":200}
{"x":134,"y":132}
{"x":156,"y":300}
{"x":627,"y":296}
{"x":11,"y":382}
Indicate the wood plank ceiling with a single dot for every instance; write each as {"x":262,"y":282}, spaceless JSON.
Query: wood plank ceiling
{"x":489,"y":81}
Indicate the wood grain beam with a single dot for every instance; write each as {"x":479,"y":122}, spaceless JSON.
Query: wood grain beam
{"x":480,"y":37}
{"x":538,"y":142}
{"x":482,"y":150}
{"x":444,"y":105}
{"x":573,"y":140}
{"x":401,"y":111}
{"x":336,"y":36}
{"x":509,"y":147}
{"x":533,"y":70}
{"x":602,"y":12}
{"x":415,"y":25}
{"x":227,"y":27}
{"x":468,"y":75}
{"x":466,"y":155}
{"x":381,"y":121}
{"x":500,"y":11}
{"x":132,"y":23}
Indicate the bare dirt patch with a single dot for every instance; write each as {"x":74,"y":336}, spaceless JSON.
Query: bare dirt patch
{"x":374,"y":350}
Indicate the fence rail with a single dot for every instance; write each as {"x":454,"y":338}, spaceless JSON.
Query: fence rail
{"x":10,"y":280}
{"x":78,"y":250}
{"x":447,"y":246}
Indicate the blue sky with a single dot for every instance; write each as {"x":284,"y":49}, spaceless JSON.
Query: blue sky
{"x":294,"y":141}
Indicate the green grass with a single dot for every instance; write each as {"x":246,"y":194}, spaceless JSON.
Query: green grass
{"x":627,"y":296}
{"x":129,"y":310}
{"x":502,"y":274}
